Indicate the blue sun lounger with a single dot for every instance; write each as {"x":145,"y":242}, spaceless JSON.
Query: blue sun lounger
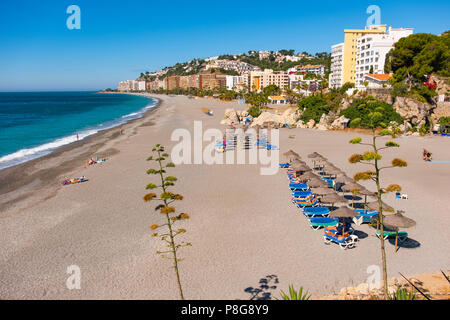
{"x":301,"y":194}
{"x":285,"y":165}
{"x":316,"y":211}
{"x":329,"y":181}
{"x":364,"y":217}
{"x":343,"y":242}
{"x":321,"y":222}
{"x":298,"y":186}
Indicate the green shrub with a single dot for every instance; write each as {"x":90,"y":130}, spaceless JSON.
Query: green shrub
{"x":314,"y":107}
{"x":254,"y":111}
{"x":294,"y":295}
{"x":355,"y":123}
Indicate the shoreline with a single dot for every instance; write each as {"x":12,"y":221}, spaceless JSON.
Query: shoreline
{"x":242,"y":223}
{"x":26,"y":173}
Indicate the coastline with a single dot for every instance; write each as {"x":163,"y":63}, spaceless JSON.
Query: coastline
{"x":27,"y":173}
{"x":243,"y":225}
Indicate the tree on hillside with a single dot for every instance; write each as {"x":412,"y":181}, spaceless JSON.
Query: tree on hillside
{"x":419,"y":55}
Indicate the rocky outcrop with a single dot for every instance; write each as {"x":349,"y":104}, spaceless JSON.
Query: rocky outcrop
{"x":230,"y":117}
{"x":442,"y":110}
{"x":413,"y":111}
{"x":340,"y":123}
{"x":442,"y":84}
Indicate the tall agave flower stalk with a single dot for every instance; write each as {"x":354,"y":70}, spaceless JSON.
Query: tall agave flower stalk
{"x":166,"y":198}
{"x":372,"y":158}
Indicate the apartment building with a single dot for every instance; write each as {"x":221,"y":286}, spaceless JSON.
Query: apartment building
{"x":319,"y":69}
{"x":234,"y":65}
{"x":350,"y":48}
{"x":261,"y":79}
{"x":371,"y":52}
{"x":237,"y":82}
{"x":131,"y":85}
{"x":337,"y":66}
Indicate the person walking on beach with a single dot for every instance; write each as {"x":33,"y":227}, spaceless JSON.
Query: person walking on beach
{"x":77,"y":136}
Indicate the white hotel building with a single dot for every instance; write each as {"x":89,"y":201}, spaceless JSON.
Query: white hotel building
{"x":372,"y":50}
{"x":337,"y":66}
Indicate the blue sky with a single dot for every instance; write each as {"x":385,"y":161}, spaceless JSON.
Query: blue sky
{"x":120,"y":39}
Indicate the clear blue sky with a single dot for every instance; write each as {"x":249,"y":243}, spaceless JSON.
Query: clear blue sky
{"x":120,"y":39}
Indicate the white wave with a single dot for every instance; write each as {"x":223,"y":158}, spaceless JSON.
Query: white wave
{"x":24,"y":155}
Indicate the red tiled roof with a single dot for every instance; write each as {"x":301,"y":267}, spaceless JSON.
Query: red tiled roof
{"x":383,"y":76}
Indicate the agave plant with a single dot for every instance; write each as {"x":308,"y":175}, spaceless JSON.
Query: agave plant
{"x":403,"y":294}
{"x":295,"y":295}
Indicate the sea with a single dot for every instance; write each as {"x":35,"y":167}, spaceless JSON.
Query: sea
{"x":33,"y":124}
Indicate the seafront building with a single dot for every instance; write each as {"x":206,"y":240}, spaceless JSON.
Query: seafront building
{"x":132,"y":85}
{"x":319,"y":70}
{"x":237,"y":82}
{"x":337,"y":66}
{"x":371,"y":52}
{"x":260,"y":79}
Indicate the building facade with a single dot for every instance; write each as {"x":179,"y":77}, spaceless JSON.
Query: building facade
{"x":371,"y":52}
{"x":337,"y":66}
{"x":261,"y":79}
{"x":316,"y":69}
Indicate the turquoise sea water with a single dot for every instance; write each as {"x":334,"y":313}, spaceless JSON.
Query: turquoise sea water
{"x":33,"y":124}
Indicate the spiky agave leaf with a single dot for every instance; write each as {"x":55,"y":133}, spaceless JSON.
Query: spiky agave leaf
{"x":151,"y":186}
{"x":355,"y":158}
{"x":149,"y":197}
{"x":361,"y":176}
{"x":369,"y":155}
{"x":399,"y":163}
{"x":385,"y":132}
{"x":167,"y":209}
{"x":392,"y":144}
{"x":355,"y":140}
{"x":393,"y":188}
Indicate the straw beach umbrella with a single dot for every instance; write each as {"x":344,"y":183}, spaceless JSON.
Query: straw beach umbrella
{"x":333,"y":198}
{"x":322,"y":191}
{"x":396,"y":221}
{"x":366,"y":193}
{"x":316,"y":183}
{"x":308,"y":176}
{"x":291,"y":155}
{"x":374,"y":205}
{"x":343,"y":212}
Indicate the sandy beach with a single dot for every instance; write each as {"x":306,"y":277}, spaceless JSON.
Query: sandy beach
{"x":243,"y":226}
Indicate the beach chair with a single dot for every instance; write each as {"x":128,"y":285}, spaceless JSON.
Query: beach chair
{"x":345,"y":241}
{"x":305,"y":203}
{"x":298,"y":186}
{"x":364,"y":217}
{"x":317,"y":211}
{"x":322,"y":222}
{"x":330,"y":182}
{"x":285,"y":165}
{"x":302,"y":194}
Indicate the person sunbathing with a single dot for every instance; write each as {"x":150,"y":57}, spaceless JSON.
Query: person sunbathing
{"x":426,"y":155}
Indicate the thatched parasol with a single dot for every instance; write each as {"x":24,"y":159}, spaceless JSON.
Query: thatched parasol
{"x":301,"y":168}
{"x":333,"y":198}
{"x":314,"y":155}
{"x":343,"y":212}
{"x":366,"y":193}
{"x":375,"y":206}
{"x":343,"y":179}
{"x":308,"y":176}
{"x":291,"y":155}
{"x":396,"y":221}
{"x":322,"y":191}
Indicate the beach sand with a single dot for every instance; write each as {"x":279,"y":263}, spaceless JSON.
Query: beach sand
{"x":243,"y":226}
